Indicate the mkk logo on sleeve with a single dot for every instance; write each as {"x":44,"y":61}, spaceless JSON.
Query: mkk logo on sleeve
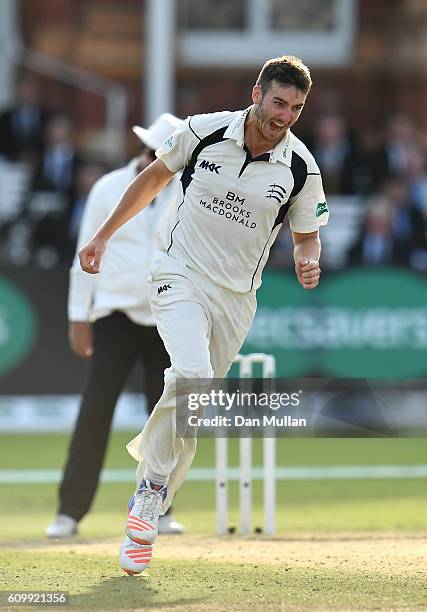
{"x":209,"y":166}
{"x":163,"y":288}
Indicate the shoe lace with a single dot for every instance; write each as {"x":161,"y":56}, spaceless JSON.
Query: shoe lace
{"x":148,"y":503}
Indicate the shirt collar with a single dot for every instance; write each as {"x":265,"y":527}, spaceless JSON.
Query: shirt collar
{"x":236,"y":129}
{"x":282,"y":152}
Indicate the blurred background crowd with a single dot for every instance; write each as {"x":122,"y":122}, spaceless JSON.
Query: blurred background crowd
{"x":46,"y":179}
{"x":372,"y":154}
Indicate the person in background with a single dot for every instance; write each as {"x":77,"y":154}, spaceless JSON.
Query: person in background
{"x":392,"y":158}
{"x":57,"y":169}
{"x":409,"y":224}
{"x":53,"y":192}
{"x":22,"y":126}
{"x":343,"y":167}
{"x":375,"y":245}
{"x":393,"y":232}
{"x":417,"y":180}
{"x":110,"y":323}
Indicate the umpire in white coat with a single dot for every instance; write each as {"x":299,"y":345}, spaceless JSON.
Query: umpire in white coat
{"x":110,"y":322}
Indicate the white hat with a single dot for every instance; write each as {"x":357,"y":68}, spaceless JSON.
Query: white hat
{"x":154,"y":136}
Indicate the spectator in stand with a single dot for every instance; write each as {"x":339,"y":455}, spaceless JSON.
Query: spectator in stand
{"x":393,"y":232}
{"x":23,"y":125}
{"x":53,"y":193}
{"x":58,"y":167}
{"x":417,"y":177}
{"x":409,"y":224}
{"x":343,"y":168}
{"x":393,"y":157}
{"x":375,"y":244}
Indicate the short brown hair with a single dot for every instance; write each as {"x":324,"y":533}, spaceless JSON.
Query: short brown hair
{"x":286,"y":70}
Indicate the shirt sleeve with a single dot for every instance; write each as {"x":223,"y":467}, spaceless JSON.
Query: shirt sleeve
{"x":82,"y":285}
{"x":177,"y":150}
{"x":309,"y":210}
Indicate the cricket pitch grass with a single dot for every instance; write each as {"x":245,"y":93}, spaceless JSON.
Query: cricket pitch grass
{"x":360,"y":571}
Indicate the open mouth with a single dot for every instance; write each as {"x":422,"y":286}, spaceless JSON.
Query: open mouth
{"x":276,"y":127}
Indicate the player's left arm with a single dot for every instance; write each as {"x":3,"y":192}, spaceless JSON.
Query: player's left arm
{"x":306,"y":257}
{"x":307,"y":213}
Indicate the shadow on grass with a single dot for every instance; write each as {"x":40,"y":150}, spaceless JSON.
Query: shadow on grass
{"x":129,"y":593}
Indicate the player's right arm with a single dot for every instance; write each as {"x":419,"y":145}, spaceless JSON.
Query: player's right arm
{"x":136,"y":197}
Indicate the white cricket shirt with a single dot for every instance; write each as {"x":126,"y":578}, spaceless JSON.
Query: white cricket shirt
{"x":122,"y":282}
{"x":231,"y":206}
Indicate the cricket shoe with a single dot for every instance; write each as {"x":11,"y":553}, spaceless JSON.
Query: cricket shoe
{"x":134,"y":558}
{"x":144,"y":509}
{"x":63,"y":526}
{"x":169,"y":526}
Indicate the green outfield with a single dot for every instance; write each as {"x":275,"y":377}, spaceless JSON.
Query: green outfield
{"x":353,"y":544}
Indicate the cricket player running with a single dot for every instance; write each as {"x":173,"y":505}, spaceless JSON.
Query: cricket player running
{"x":242,"y":173}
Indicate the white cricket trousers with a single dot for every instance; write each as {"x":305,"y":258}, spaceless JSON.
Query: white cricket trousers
{"x":203,"y":327}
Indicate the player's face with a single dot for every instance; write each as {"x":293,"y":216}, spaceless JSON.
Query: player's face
{"x":277,"y":110}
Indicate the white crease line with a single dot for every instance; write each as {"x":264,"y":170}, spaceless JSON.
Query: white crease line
{"x":332,"y":472}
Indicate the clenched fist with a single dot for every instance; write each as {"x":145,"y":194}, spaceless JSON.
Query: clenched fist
{"x":308,"y":273}
{"x":90,"y":255}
